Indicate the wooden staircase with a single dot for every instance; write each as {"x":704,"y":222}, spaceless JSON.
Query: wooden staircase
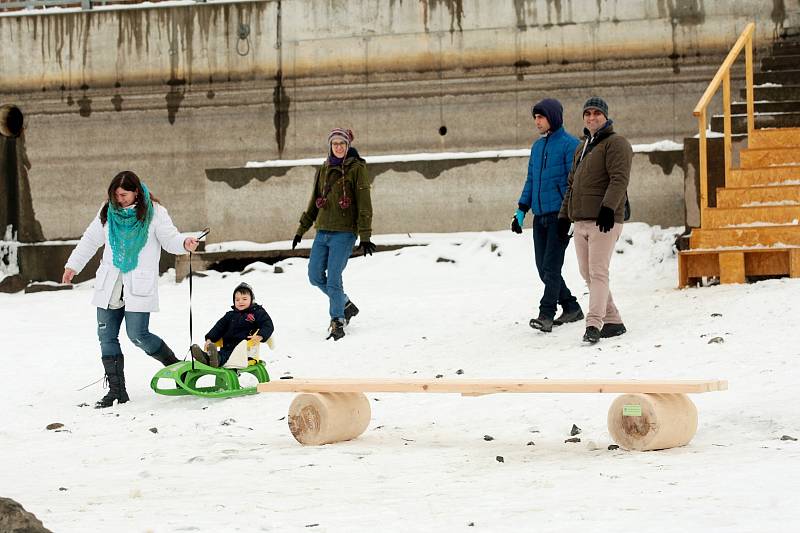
{"x":754,"y":230}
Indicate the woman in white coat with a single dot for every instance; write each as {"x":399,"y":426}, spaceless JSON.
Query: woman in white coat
{"x":134,"y":227}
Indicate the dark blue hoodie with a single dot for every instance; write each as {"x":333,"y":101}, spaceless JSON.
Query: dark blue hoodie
{"x":550,"y":162}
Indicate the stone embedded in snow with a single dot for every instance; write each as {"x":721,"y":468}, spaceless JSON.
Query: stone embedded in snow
{"x":13,"y":517}
{"x":55,"y":425}
{"x":459,"y":371}
{"x":153,"y":430}
{"x":278,"y":270}
{"x":613,"y":446}
{"x":488,"y":437}
{"x":531,"y":443}
{"x":788,"y":437}
{"x":716,"y":340}
{"x":574,"y":431}
{"x":573,"y":439}
{"x":445,"y":260}
{"x":227,"y":422}
{"x":500,"y":459}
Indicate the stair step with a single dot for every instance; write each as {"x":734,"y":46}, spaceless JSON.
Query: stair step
{"x":766,"y":157}
{"x":787,"y":235}
{"x":735,"y":266}
{"x":748,"y":197}
{"x":764,"y":176}
{"x":791,"y":106}
{"x":775,"y":93}
{"x":782,"y":62}
{"x":723,"y":217}
{"x":786,"y":119}
{"x":774,"y":138}
{"x":785,"y":48}
{"x":783,"y":77}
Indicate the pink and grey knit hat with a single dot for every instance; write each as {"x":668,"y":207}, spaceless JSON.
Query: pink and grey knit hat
{"x":341,"y":133}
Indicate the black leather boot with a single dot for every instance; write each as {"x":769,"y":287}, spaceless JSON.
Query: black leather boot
{"x":115,"y":375}
{"x":165,"y":355}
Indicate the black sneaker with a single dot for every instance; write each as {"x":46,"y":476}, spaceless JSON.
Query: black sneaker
{"x":571,"y":316}
{"x":198,"y":354}
{"x":612,"y":330}
{"x":542,"y":323}
{"x":336,"y":330}
{"x":592,"y":335}
{"x":350,"y":310}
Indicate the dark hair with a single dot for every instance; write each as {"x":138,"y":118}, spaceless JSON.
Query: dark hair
{"x":129,"y":181}
{"x":244,"y":288}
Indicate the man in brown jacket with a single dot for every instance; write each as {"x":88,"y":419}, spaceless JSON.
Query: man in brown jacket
{"x":596,"y":202}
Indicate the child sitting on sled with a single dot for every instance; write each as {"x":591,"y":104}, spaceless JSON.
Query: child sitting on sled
{"x":246,"y":321}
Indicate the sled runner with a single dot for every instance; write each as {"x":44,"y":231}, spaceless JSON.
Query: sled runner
{"x":244,"y":359}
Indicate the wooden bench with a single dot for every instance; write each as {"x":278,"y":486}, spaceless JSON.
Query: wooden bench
{"x":649,"y":415}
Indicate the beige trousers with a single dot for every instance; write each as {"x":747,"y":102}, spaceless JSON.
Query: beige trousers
{"x":594,"y":250}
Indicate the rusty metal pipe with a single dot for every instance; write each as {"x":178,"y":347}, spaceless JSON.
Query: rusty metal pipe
{"x":11,"y":121}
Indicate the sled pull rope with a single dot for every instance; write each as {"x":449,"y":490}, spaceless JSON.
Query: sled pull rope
{"x":205,"y":232}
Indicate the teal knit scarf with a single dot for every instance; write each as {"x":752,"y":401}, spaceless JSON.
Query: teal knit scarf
{"x":127,"y":234}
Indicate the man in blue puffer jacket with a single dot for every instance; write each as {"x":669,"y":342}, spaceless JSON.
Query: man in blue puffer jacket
{"x":548,"y":168}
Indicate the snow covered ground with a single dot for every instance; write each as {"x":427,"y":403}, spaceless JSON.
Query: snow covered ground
{"x":424,"y":463}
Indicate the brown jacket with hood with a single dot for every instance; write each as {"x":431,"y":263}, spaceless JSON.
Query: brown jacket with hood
{"x":599,"y":176}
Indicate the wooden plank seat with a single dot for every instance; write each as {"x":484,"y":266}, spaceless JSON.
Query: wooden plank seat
{"x":735,"y":265}
{"x":649,"y":415}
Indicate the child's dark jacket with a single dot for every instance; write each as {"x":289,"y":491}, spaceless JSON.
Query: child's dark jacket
{"x":236,"y":326}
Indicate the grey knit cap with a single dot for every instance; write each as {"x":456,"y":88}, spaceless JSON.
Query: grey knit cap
{"x":597,"y":103}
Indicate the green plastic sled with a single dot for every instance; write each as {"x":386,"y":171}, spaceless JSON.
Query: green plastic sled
{"x":226,"y":384}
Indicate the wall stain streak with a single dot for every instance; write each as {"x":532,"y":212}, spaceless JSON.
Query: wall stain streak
{"x":667,"y":160}
{"x":778,"y":14}
{"x":454,"y":7}
{"x":525,"y":10}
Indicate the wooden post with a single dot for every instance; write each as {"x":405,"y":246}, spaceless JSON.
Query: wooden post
{"x":794,"y":263}
{"x":731,"y":267}
{"x":748,"y":75}
{"x":683,"y":270}
{"x":702,"y":147}
{"x":726,"y":122}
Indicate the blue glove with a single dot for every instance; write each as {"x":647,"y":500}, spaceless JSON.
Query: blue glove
{"x":517,"y":220}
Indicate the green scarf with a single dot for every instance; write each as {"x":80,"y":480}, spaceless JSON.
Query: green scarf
{"x":127,"y":234}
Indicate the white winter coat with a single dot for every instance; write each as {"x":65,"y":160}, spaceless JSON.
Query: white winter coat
{"x":141,"y":283}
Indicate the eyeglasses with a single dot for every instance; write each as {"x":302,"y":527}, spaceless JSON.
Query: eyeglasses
{"x":339,"y":144}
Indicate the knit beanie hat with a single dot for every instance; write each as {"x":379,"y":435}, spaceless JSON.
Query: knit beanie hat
{"x":595,"y":102}
{"x":551,"y":109}
{"x":343,"y":134}
{"x":244,"y":288}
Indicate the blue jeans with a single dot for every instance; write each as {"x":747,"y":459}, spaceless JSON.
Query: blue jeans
{"x":136,"y":325}
{"x":329,"y":255}
{"x":549,"y":252}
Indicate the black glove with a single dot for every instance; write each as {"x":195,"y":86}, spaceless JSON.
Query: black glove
{"x":563,"y":229}
{"x":296,"y":241}
{"x":367,"y":247}
{"x":605,"y":219}
{"x":519,"y":216}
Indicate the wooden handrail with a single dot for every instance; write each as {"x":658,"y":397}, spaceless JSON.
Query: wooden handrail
{"x":723,"y":76}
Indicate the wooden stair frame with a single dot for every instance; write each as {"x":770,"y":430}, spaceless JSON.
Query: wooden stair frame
{"x":754,"y":230}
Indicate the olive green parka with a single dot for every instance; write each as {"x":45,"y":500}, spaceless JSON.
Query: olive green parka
{"x":335,"y":183}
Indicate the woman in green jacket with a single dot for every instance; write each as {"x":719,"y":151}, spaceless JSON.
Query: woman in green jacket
{"x":340,"y":209}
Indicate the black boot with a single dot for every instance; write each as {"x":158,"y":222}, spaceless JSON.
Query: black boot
{"x":350,"y":310}
{"x":336,"y":330}
{"x":115,"y":375}
{"x":165,"y":355}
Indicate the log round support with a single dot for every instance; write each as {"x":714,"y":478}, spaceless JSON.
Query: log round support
{"x":328,"y":417}
{"x":652,"y":421}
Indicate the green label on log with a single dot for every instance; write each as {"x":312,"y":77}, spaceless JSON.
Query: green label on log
{"x":632,"y":410}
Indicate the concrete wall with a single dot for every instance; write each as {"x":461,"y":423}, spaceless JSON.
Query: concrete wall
{"x":427,"y":196}
{"x":170,"y":92}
